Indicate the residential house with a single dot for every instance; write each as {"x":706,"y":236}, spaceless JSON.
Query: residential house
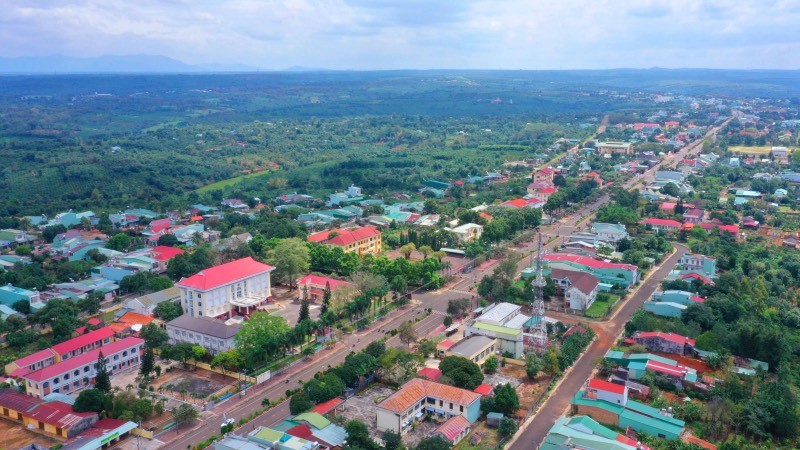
{"x":693,"y":215}
{"x":610,"y":232}
{"x":235,"y":288}
{"x":454,"y":429}
{"x":467,"y":232}
{"x":78,"y":372}
{"x":363,"y":240}
{"x":702,"y":264}
{"x":637,"y":365}
{"x":606,"y":272}
{"x":544,"y":176}
{"x":10,"y":237}
{"x":288,"y":199}
{"x":780,"y":155}
{"x":212,"y":334}
{"x":665,"y":309}
{"x":400,"y":410}
{"x":524,"y":202}
{"x":234,"y":203}
{"x":665,"y":342}
{"x":583,"y":432}
{"x":614,"y":147}
{"x":10,"y":294}
{"x":162,"y":255}
{"x":475,"y":348}
{"x":582,"y":291}
{"x":662,"y":225}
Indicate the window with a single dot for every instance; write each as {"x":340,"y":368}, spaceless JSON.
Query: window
{"x":461,"y":408}
{"x":55,"y":380}
{"x":76,"y":373}
{"x":451,"y":406}
{"x":116,"y":357}
{"x":66,"y":377}
{"x":441,"y":403}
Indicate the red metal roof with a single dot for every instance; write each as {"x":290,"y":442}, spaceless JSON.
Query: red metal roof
{"x":85,"y":358}
{"x":662,"y":222}
{"x":430,"y":373}
{"x":164,"y":253}
{"x":672,"y":337}
{"x":94,"y":321}
{"x":453,"y":427}
{"x":83,"y":340}
{"x":58,"y":414}
{"x":603,"y":385}
{"x":678,"y":371}
{"x":17,"y":401}
{"x":326,"y":407}
{"x":696,"y":276}
{"x":697,"y":299}
{"x":317,"y":280}
{"x":588,"y":262}
{"x":484,"y":389}
{"x":446,"y":344}
{"x":223,"y":274}
{"x":109,"y":424}
{"x":159,"y":225}
{"x":41,"y":355}
{"x":345,"y":236}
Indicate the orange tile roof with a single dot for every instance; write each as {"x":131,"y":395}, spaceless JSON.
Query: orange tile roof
{"x":133,"y":318}
{"x":417,"y":389}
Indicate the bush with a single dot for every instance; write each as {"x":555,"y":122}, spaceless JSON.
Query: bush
{"x":507,"y":427}
{"x":299,"y":403}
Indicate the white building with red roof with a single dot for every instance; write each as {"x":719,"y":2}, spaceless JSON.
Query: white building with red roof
{"x":236,"y":288}
{"x":610,"y":392}
{"x":163,"y":254}
{"x":78,"y":372}
{"x":314,"y":286}
{"x":362,"y":240}
{"x":665,"y":342}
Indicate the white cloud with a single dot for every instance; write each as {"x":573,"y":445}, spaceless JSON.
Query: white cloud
{"x":394,"y":34}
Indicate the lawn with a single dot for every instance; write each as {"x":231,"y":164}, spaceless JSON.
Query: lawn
{"x":599,"y":308}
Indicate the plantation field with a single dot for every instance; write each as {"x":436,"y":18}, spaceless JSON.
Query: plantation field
{"x":761,"y":150}
{"x":220,"y":185}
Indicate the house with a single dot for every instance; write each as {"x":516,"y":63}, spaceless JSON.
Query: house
{"x":363,"y":240}
{"x":583,"y":432}
{"x":503,"y":322}
{"x":54,"y":418}
{"x":614,"y":147}
{"x":665,"y":342}
{"x":10,"y":294}
{"x":582,"y":290}
{"x":609,"y":232}
{"x":780,"y":193}
{"x":315,"y":428}
{"x":662,"y":225}
{"x":675,"y":296}
{"x":543,"y":194}
{"x":606,"y":272}
{"x":9,"y":237}
{"x":146,"y":304}
{"x":400,"y":410}
{"x":475,"y":348}
{"x":328,"y":407}
{"x":705,"y":265}
{"x":238,"y":287}
{"x":544,"y":176}
{"x":314,"y":286}
{"x":265,"y":438}
{"x":780,"y":155}
{"x":234,"y":203}
{"x":693,"y":215}
{"x":633,"y":414}
{"x":524,"y":202}
{"x":467,"y":232}
{"x":430,"y":373}
{"x":665,"y":309}
{"x":163,"y":254}
{"x":214,"y":335}
{"x":78,"y":372}
{"x":606,"y":391}
{"x":454,"y":429}
{"x":288,"y":199}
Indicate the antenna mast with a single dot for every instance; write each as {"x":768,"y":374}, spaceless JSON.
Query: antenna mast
{"x":539,"y":329}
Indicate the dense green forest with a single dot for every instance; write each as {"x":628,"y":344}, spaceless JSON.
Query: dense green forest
{"x":110,"y":141}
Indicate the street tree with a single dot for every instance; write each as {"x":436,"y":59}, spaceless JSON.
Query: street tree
{"x":406,"y":333}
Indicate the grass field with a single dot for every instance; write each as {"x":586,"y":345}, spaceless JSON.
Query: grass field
{"x":761,"y":150}
{"x":229,"y":182}
{"x":599,"y":308}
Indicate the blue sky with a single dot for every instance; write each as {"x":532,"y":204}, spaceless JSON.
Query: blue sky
{"x":415,"y":34}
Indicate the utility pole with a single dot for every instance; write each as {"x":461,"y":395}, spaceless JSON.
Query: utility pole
{"x":539,"y":326}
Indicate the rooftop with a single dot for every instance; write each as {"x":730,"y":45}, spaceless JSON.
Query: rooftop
{"x":453,"y":427}
{"x":16,"y":401}
{"x":672,"y":337}
{"x":318,"y":280}
{"x":498,"y":312}
{"x":606,"y":386}
{"x":85,"y":358}
{"x":344,"y":236}
{"x":164,"y":253}
{"x":206,"y":326}
{"x":417,"y":389}
{"x":83,"y":340}
{"x":471,"y":345}
{"x":58,"y":414}
{"x":588,"y":262}
{"x":223,"y":274}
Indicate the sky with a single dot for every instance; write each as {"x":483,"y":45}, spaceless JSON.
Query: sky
{"x":414,"y":34}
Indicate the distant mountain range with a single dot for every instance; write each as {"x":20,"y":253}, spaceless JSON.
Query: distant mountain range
{"x":59,"y":64}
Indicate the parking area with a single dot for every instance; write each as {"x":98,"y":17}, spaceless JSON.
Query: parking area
{"x":285,"y":304}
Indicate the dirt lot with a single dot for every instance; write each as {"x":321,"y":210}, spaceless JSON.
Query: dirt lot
{"x":362,"y":407}
{"x":13,"y":435}
{"x":527,"y":390}
{"x":202,"y":383}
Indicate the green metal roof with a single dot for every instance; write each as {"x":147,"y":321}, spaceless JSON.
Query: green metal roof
{"x":497,"y":328}
{"x":647,"y":410}
{"x":316,"y":420}
{"x":670,"y":429}
{"x":592,"y":425}
{"x":268,"y":435}
{"x":579,"y":399}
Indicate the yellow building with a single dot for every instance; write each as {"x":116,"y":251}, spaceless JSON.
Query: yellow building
{"x":363,"y":240}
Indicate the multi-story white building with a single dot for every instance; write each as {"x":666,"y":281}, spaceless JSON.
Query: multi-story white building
{"x":400,"y":410}
{"x":79,"y":372}
{"x":467,"y":232}
{"x":236,"y":288}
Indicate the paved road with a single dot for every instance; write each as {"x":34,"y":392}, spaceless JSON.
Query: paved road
{"x":240,"y":407}
{"x":607,"y":333}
